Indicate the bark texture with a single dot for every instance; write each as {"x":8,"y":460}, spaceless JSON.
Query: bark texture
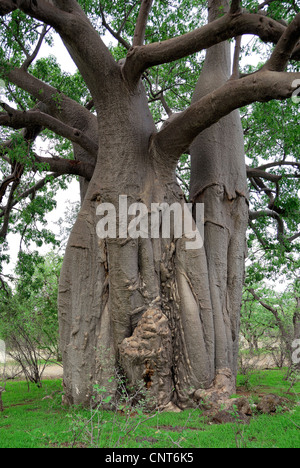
{"x":167,"y":315}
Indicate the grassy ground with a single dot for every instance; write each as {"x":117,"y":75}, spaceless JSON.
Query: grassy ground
{"x":36,"y":419}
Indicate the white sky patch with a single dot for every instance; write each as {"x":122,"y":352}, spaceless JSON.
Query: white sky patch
{"x":2,"y":352}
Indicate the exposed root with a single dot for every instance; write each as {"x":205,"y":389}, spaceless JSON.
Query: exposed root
{"x":221,"y":390}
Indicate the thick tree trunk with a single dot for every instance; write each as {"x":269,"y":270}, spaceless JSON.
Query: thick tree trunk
{"x":165,"y":315}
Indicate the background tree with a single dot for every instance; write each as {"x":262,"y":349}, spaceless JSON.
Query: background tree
{"x":270,"y":322}
{"x":29,"y":317}
{"x":167,"y":315}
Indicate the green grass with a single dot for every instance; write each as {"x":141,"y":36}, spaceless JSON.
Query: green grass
{"x":30,"y":421}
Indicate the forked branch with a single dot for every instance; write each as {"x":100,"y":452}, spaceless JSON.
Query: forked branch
{"x":115,"y":34}
{"x":142,"y":57}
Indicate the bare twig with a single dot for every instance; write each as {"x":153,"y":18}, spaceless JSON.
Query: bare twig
{"x":33,"y":56}
{"x":115,"y":34}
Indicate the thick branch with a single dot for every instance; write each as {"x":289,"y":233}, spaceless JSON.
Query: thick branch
{"x":42,"y":10}
{"x":258,"y":172}
{"x":7,"y":6}
{"x":176,"y":137}
{"x":235,"y":7}
{"x":17,"y":119}
{"x":67,"y":166}
{"x":142,"y":57}
{"x":285,"y":47}
{"x":57,"y":104}
{"x":84,"y":44}
{"x":141,"y":24}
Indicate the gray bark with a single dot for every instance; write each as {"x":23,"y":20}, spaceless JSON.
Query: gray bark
{"x":218,"y":179}
{"x":167,"y":315}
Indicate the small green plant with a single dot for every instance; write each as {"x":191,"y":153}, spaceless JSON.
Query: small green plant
{"x":126,"y":414}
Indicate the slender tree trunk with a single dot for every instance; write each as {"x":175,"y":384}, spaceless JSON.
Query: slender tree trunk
{"x":218,"y":179}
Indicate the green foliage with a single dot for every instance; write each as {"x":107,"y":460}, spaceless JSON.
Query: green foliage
{"x":272,"y":137}
{"x":258,"y":324}
{"x":28,"y":314}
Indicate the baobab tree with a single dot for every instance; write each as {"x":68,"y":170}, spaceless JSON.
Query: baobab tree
{"x":164,"y":314}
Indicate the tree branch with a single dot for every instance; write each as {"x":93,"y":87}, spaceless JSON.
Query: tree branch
{"x":266,"y":3}
{"x":84,"y":44}
{"x":236,"y":59}
{"x":33,"y":56}
{"x":67,"y":110}
{"x":261,"y":187}
{"x":176,"y":137}
{"x":266,"y":306}
{"x":165,"y":104}
{"x":24,"y":50}
{"x":17,"y":119}
{"x":275,"y":313}
{"x":7,"y":6}
{"x":279,"y":163}
{"x":142,"y":57}
{"x":115,"y":34}
{"x":42,"y":10}
{"x":63,"y":166}
{"x":141,"y":24}
{"x":285,"y":47}
{"x":30,"y":191}
{"x":258,"y":172}
{"x":272,"y":214}
{"x":4,"y":229}
{"x":294,"y":237}
{"x":262,"y":242}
